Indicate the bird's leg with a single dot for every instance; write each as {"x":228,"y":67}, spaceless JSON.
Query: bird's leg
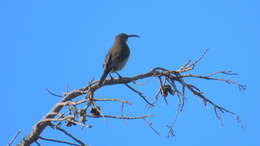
{"x":111,"y":77}
{"x":119,"y":76}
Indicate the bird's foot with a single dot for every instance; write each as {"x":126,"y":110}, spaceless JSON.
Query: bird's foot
{"x":111,"y":77}
{"x":119,"y":76}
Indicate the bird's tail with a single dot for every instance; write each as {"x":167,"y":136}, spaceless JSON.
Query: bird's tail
{"x":103,"y":77}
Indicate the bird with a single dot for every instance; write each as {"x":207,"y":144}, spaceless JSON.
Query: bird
{"x":117,"y":56}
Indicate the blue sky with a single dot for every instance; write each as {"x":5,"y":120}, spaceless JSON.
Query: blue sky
{"x":60,"y":45}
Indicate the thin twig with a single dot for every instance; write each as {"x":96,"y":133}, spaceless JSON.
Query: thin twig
{"x":140,"y":94}
{"x":226,"y":72}
{"x":122,"y":109}
{"x":68,"y":134}
{"x":241,"y":87}
{"x":206,"y":100}
{"x":178,"y":93}
{"x":119,"y":117}
{"x":150,"y":124}
{"x":192,"y":64}
{"x":13,"y":139}
{"x":58,"y":141}
{"x":170,"y":131}
{"x":112,"y":99}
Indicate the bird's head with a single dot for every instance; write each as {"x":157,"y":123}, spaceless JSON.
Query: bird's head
{"x":124,"y":37}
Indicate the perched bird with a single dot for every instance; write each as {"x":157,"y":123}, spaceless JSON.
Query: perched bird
{"x":117,"y":56}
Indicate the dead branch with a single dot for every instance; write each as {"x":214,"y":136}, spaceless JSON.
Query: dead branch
{"x":139,"y":93}
{"x":13,"y":139}
{"x":58,"y":141}
{"x":172,"y":82}
{"x":119,"y":117}
{"x":150,"y":124}
{"x":67,"y":133}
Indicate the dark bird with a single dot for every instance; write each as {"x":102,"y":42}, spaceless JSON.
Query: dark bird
{"x":117,"y":56}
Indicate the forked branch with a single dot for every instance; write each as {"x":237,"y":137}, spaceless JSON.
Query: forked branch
{"x":79,"y":108}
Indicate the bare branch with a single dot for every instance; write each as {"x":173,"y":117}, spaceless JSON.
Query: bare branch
{"x":192,"y":64}
{"x":111,"y":99}
{"x":226,"y":72}
{"x":150,"y":124}
{"x":58,"y":141}
{"x":241,"y":87}
{"x":122,"y":109}
{"x":119,"y":117}
{"x":140,"y":94}
{"x":13,"y":139}
{"x":67,"y":133}
{"x":206,"y":100}
{"x":172,"y":82}
{"x":170,"y":131}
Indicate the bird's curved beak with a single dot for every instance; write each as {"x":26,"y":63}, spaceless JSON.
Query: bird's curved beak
{"x":133,"y":35}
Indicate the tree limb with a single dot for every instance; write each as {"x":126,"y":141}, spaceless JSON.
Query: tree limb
{"x":167,"y":79}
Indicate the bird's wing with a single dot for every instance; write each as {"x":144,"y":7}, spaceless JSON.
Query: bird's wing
{"x":119,"y":55}
{"x":114,"y":58}
{"x":107,"y":60}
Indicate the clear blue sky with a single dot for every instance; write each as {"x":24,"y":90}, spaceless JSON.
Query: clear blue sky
{"x":60,"y":45}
